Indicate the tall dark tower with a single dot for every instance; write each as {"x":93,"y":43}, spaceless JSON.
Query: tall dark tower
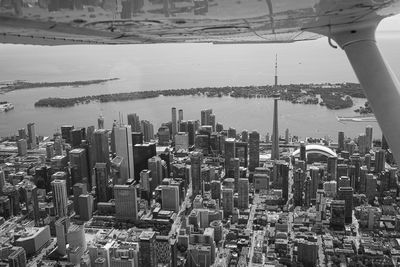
{"x":275,"y":133}
{"x":276,"y":69}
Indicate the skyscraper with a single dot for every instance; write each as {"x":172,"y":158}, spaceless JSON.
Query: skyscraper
{"x":60,"y":198}
{"x":79,"y":168}
{"x":134,"y":122}
{"x":340,"y":141}
{"x":380,"y":161}
{"x":66,"y":133}
{"x":31,"y":136}
{"x":141,"y":154}
{"x":227,"y":201}
{"x":170,"y":197}
{"x":332,"y":168}
{"x":254,"y":150}
{"x":154,"y":165}
{"x":124,"y":149}
{"x":180,"y":115}
{"x":346,"y":194}
{"x":147,"y":249}
{"x":368,"y":133}
{"x":275,"y":133}
{"x":101,"y":151}
{"x":229,"y":153}
{"x":174,"y":123}
{"x":196,"y":159}
{"x":191,"y":131}
{"x":147,"y":130}
{"x":17,"y":257}
{"x":243,"y":193}
{"x":205,"y":116}
{"x":125,"y":202}
{"x":101,"y":176}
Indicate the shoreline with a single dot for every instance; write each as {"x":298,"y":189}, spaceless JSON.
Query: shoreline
{"x":22,"y":85}
{"x":336,"y":96}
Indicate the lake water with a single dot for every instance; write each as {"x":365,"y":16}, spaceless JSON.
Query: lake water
{"x":170,"y":66}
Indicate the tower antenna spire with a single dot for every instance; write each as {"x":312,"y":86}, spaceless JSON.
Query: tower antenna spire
{"x":276,"y":69}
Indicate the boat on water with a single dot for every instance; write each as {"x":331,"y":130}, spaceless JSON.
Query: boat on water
{"x":367,"y":118}
{"x":6,"y":106}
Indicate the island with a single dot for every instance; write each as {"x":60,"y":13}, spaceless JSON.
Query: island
{"x":19,"y":85}
{"x":334,"y":96}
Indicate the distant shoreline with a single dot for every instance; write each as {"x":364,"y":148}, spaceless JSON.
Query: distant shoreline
{"x":334,"y":96}
{"x":21,"y":85}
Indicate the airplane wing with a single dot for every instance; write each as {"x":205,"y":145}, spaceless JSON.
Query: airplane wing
{"x":60,"y":22}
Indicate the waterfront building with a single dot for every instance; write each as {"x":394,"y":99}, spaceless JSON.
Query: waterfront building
{"x":174,"y":122}
{"x":66,"y":133}
{"x":32,"y":143}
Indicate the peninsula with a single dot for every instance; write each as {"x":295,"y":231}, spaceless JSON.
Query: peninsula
{"x":19,"y":85}
{"x":334,"y":96}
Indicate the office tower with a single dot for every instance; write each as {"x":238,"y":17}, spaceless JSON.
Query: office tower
{"x":58,"y":146}
{"x":234,"y":171}
{"x":340,"y":141}
{"x":12,"y":193}
{"x":101,"y":178}
{"x":363,"y":179}
{"x":363,"y":144}
{"x":183,"y":126}
{"x":191,"y":132}
{"x":31,"y":136}
{"x":244,"y":136}
{"x":163,"y":136}
{"x":254,"y":150}
{"x":370,"y":187}
{"x":60,"y":198}
{"x":17,"y":257}
{"x":89,"y":134}
{"x":307,"y":192}
{"x":205,"y":116}
{"x":147,"y":249}
{"x":79,"y":167}
{"x":215,"y":190}
{"x":116,"y":170}
{"x":367,"y":161}
{"x":170,"y":197}
{"x":219,"y":127}
{"x":145,"y":186}
{"x":85,"y":202}
{"x":298,"y":183}
{"x":22,"y":146}
{"x":167,"y":157}
{"x":154,"y":165}
{"x":315,"y":180}
{"x":303,"y":153}
{"x":180,"y":115}
{"x":181,"y":141}
{"x":284,"y":174}
{"x":241,"y":152}
{"x":78,"y":189}
{"x":147,"y":130}
{"x":346,"y":194}
{"x":141,"y":154}
{"x":227,"y":201}
{"x":385,"y":144}
{"x":196,"y":159}
{"x":174,"y":122}
{"x":137,"y":138}
{"x":307,"y":252}
{"x":243,"y":193}
{"x":101,"y":152}
{"x":229,"y":149}
{"x":332,"y":168}
{"x":341,"y":171}
{"x":287,"y":136}
{"x":77,"y":135}
{"x":369,"y":135}
{"x":66,"y":133}
{"x":275,"y":133}
{"x":22,"y":134}
{"x":125,"y":202}
{"x":49,"y":151}
{"x":62,"y":226}
{"x":338,"y":211}
{"x":3,"y":178}
{"x":211,"y":122}
{"x":380,"y":161}
{"x":232,"y":133}
{"x":29,"y":194}
{"x":134,"y":122}
{"x":202,"y":143}
{"x":124,"y":149}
